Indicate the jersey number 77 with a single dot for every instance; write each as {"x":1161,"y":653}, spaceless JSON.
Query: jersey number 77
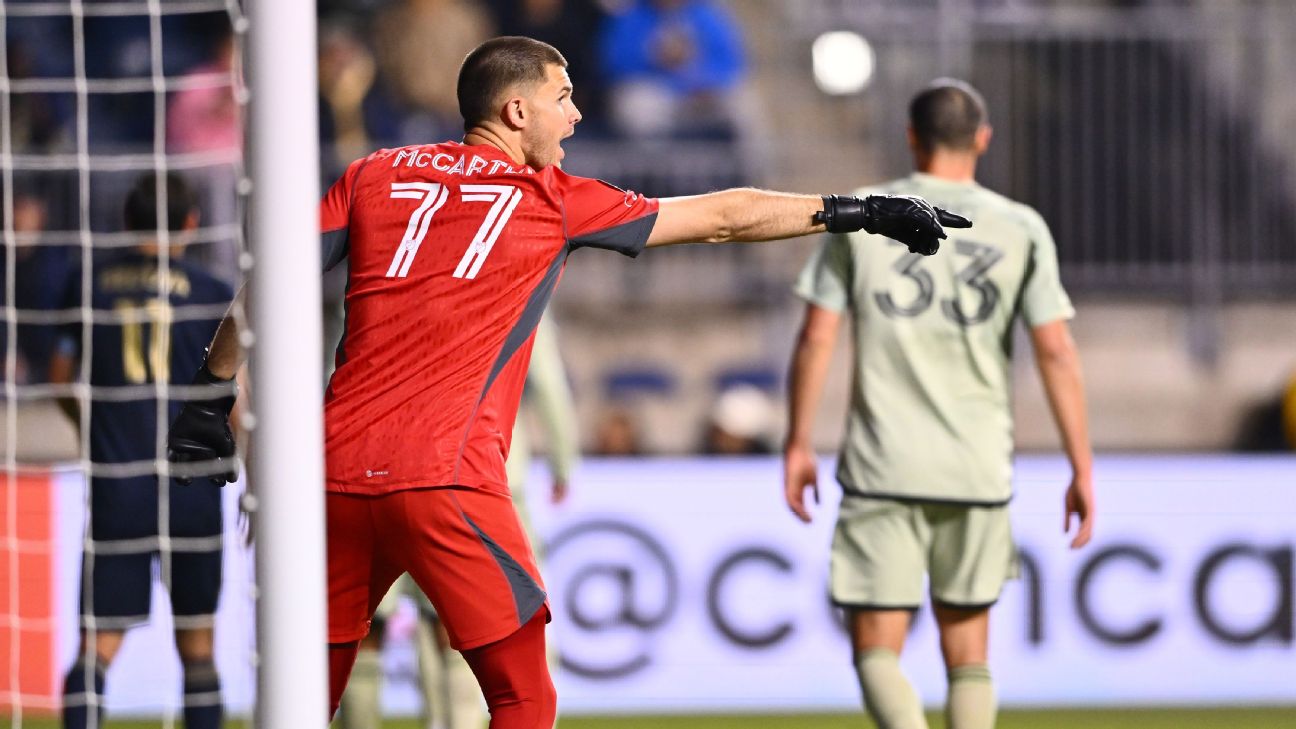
{"x":431,"y":196}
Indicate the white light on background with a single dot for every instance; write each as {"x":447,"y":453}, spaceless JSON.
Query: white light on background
{"x":843,"y":62}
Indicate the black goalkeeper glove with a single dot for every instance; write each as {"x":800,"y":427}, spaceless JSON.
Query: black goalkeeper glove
{"x":201,"y":434}
{"x":908,"y":219}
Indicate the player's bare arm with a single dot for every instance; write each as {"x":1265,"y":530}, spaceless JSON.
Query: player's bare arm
{"x":1059,"y":366}
{"x":748,"y":215}
{"x":809,"y":370}
{"x":225,"y":356}
{"x":201,"y":433}
{"x":63,"y":370}
{"x":742,"y":214}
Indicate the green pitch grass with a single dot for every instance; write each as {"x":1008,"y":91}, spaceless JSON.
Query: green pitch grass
{"x":1052,"y":719}
{"x":1267,"y":718}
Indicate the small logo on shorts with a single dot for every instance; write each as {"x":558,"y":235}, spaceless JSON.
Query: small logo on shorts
{"x":371,"y":474}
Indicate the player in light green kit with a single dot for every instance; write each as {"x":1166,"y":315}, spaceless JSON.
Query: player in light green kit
{"x":451,"y":696}
{"x":926,"y":465}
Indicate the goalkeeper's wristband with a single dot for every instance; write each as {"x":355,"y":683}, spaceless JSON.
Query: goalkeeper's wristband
{"x":206,"y":377}
{"x":845,"y":213}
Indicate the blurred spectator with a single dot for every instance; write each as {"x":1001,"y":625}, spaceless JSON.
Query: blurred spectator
{"x":356,"y":114}
{"x":740,"y":423}
{"x":38,"y":269}
{"x":673,"y":67}
{"x":420,"y":45}
{"x":570,"y":26}
{"x":35,"y":48}
{"x":117,"y":47}
{"x":121,"y":46}
{"x":205,"y":118}
{"x":616,"y":434}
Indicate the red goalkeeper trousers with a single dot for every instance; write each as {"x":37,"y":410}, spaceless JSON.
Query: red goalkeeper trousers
{"x":513,"y":674}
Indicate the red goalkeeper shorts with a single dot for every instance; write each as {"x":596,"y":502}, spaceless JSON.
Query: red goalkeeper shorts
{"x":464,"y":547}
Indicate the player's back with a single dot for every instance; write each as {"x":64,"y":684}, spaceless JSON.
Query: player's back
{"x":453,"y":253}
{"x":152,"y":329}
{"x":931,"y":402}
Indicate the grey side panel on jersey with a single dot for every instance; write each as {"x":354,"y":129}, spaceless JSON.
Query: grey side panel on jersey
{"x":627,"y":239}
{"x":334,"y":247}
{"x":529,"y":320}
{"x":522,"y":330}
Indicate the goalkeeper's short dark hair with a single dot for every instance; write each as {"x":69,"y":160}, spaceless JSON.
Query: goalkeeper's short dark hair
{"x":947,"y":114}
{"x":494,"y":66}
{"x":141,"y":213}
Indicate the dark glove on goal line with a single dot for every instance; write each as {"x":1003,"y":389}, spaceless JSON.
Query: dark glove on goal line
{"x":906,"y":218}
{"x":201,"y":433}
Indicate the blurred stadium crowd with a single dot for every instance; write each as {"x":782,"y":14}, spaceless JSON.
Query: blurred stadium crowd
{"x":643,"y":69}
{"x":683,"y":96}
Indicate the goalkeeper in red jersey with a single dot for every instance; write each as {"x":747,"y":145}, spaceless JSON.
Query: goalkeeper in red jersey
{"x":454,"y":250}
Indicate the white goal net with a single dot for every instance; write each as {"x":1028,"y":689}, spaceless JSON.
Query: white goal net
{"x":124,"y":192}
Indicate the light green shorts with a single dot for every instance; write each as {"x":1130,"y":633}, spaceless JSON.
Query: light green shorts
{"x":882,"y":548}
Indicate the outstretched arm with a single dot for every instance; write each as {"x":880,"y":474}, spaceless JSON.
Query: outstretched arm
{"x":1059,"y":367}
{"x":750,"y":215}
{"x":741,"y":214}
{"x":809,"y":370}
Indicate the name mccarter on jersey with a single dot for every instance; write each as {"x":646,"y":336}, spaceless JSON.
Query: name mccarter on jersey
{"x":452,"y":165}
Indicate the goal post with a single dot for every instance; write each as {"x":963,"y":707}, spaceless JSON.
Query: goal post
{"x":287,"y":463}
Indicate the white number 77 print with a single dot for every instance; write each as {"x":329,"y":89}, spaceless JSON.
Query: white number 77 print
{"x":431,"y":196}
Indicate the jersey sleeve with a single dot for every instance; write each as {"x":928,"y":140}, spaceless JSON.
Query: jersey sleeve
{"x":335,"y":215}
{"x":599,"y":215}
{"x":826,"y":279}
{"x":1043,"y":298}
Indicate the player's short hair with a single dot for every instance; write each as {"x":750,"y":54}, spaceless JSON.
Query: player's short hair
{"x":947,"y":114}
{"x":141,"y":202}
{"x":497,"y":65}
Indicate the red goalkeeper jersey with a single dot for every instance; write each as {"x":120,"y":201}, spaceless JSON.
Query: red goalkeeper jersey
{"x":454,"y":251}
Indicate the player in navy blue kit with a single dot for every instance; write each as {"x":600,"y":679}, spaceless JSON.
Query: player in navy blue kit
{"x":151,"y":328}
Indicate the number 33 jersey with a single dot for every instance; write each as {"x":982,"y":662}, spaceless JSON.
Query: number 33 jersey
{"x":453,"y":253}
{"x":930,"y":414}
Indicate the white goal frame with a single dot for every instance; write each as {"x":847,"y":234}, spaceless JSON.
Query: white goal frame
{"x":287,"y":465}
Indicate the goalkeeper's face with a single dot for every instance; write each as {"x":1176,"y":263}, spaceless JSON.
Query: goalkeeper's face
{"x":550,"y":117}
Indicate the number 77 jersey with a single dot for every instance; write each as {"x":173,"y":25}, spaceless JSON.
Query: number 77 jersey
{"x":453,"y":251}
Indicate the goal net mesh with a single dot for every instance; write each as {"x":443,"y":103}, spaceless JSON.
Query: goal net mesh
{"x":95,"y":96}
